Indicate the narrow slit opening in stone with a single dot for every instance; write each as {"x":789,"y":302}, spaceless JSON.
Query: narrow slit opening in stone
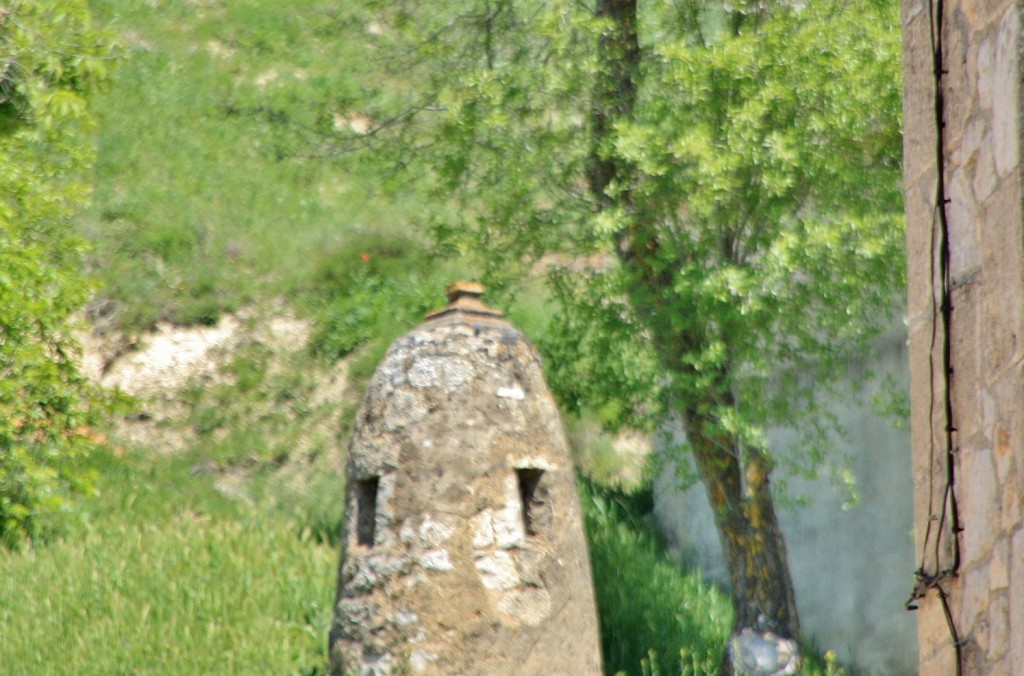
{"x":366,"y":511}
{"x":529,"y":478}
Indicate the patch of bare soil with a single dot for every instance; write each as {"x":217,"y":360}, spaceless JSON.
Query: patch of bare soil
{"x":159,"y":366}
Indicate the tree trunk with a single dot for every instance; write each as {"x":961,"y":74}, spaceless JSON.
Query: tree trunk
{"x":744,"y":512}
{"x":736,"y":478}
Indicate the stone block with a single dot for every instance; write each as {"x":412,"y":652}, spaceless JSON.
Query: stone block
{"x":1012,"y":505}
{"x":963,"y":156}
{"x":957,"y":83}
{"x":985,"y":178}
{"x":911,"y":10}
{"x":942,"y":662}
{"x":1006,"y":94}
{"x":937,"y":655}
{"x":919,"y":150}
{"x":999,"y":566}
{"x":962,"y":13}
{"x":975,"y":599}
{"x":978,"y":502}
{"x":962,"y":214}
{"x":984,"y":91}
{"x":1002,"y":253}
{"x":986,"y":12}
{"x":998,"y":626}
{"x":922,"y":242}
{"x":1014,"y":490}
{"x":1016,"y":597}
{"x":1005,"y":432}
{"x":925,"y":461}
{"x":999,"y":667}
{"x":965,"y":380}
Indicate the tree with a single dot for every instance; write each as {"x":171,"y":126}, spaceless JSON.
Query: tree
{"x":51,"y":60}
{"x":721,"y":186}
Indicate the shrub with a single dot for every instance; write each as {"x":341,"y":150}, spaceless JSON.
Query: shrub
{"x":372,"y":290}
{"x":54,"y":59}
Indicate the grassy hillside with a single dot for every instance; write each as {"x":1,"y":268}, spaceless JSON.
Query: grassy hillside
{"x":209,"y":193}
{"x":210,"y":548}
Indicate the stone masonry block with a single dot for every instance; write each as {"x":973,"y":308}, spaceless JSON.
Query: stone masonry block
{"x":962,"y":213}
{"x":965,"y":380}
{"x":911,"y":10}
{"x":1014,"y":490}
{"x":986,"y":12}
{"x":978,"y":502}
{"x":921,"y":388}
{"x":1006,"y":99}
{"x":958,"y":81}
{"x":919,"y":152}
{"x":999,"y":568}
{"x":937,"y":655}
{"x":985,"y":178}
{"x":1016,"y":597}
{"x":921,"y":244}
{"x":1007,"y":434}
{"x":1002,"y":253}
{"x":975,"y":597}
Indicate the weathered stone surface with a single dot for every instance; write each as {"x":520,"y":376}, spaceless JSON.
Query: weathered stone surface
{"x":1016,"y":597}
{"x":933,"y":633}
{"x":966,"y":377}
{"x":998,"y":625}
{"x":918,"y":138}
{"x":1005,"y":101}
{"x":978,"y":495}
{"x":976,"y":594}
{"x":982,"y":106}
{"x":965,"y":258}
{"x":463,"y":550}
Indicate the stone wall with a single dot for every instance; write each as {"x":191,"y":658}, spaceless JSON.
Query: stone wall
{"x":966,"y":322}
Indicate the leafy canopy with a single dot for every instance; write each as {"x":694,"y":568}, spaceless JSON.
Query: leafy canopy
{"x":762,"y":191}
{"x":53,"y":59}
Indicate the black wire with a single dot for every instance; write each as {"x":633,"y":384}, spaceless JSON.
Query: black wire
{"x":934,"y":580}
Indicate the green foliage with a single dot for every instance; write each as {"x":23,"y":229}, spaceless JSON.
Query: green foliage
{"x":780,"y":145}
{"x":369,"y":292}
{"x":713,"y":193}
{"x":368,"y":288}
{"x":645,"y":604}
{"x":207,"y":198}
{"x":751,"y":242}
{"x":54,"y":60}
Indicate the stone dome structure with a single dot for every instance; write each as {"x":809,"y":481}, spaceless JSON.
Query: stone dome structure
{"x":463,"y":550}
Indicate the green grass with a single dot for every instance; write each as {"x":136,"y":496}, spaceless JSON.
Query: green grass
{"x":168,"y":576}
{"x":646,"y":604}
{"x":206,"y":195}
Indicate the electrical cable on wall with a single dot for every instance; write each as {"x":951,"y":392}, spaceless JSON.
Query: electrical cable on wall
{"x":941,"y":313}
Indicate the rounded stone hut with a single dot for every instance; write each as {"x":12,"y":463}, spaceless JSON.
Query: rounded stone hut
{"x":463,"y":550}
